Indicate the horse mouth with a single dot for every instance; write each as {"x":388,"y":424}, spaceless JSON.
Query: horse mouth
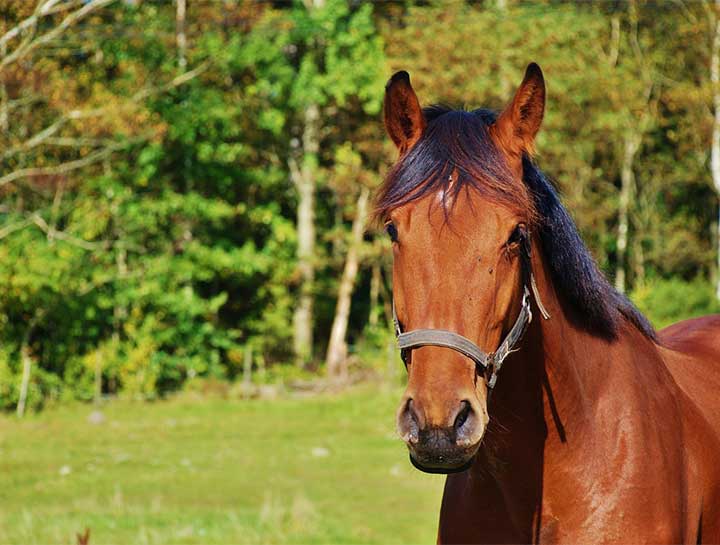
{"x":437,"y":450}
{"x":442,"y":464}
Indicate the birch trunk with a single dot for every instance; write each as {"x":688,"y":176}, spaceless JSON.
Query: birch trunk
{"x":25,"y":381}
{"x":632,"y":139}
{"x":627,"y":181}
{"x":4,"y":124}
{"x":180,"y":36}
{"x":97,"y":396}
{"x":374,"y":295}
{"x":26,"y":363}
{"x":336,"y":358}
{"x":639,"y":259}
{"x":304,"y":179}
{"x":715,"y":145}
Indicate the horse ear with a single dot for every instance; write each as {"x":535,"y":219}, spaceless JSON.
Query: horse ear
{"x":404,"y":120}
{"x":518,"y":124}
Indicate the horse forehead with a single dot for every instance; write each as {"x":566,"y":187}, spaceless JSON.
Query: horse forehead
{"x":454,"y":218}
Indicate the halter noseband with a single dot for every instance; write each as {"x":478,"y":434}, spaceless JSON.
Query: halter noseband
{"x":486,"y":364}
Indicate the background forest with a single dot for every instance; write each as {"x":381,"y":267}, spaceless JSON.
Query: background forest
{"x":186,"y":185}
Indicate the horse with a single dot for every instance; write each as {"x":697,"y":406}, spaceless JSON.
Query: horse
{"x":556,"y":410}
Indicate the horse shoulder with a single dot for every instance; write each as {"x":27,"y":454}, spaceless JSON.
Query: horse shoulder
{"x":691,"y":351}
{"x":696,"y":336}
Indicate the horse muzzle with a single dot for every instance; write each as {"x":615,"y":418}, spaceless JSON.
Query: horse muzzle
{"x":441,"y":448}
{"x":437,"y":451}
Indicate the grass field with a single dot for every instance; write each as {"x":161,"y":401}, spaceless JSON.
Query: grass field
{"x":321,"y":470}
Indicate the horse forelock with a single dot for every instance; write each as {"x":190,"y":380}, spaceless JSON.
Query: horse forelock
{"x":455,"y":153}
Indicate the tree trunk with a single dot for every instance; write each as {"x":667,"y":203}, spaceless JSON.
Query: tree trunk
{"x":636,"y":128}
{"x":97,"y":397}
{"x":304,"y":179}
{"x":614,"y":40}
{"x":26,"y":363}
{"x":715,"y":146}
{"x":4,"y":123}
{"x":717,"y":280}
{"x":247,"y":372}
{"x":25,"y":381}
{"x":374,"y":294}
{"x":180,"y":37}
{"x":639,"y":258}
{"x":336,"y":358}
{"x":627,"y":181}
{"x":120,"y":311}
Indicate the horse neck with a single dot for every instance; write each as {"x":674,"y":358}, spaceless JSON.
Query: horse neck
{"x":558,"y":375}
{"x":544,"y":401}
{"x":551,"y":391}
{"x":571,"y":361}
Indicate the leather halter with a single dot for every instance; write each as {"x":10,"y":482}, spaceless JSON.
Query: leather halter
{"x":486,"y":364}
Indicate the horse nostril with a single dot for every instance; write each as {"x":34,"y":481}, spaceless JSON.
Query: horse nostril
{"x":410,"y":411}
{"x":468,"y":429}
{"x":463,"y":414}
{"x":409,"y":422}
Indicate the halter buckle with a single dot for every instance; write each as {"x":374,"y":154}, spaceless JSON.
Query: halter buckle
{"x":490,"y":370}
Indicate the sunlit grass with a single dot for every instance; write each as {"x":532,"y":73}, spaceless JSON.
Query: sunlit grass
{"x":321,"y":470}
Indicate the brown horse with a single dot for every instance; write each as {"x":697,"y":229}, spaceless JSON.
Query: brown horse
{"x":598,"y":430}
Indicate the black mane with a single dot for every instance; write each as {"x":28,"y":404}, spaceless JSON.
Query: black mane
{"x":459,"y":141}
{"x":598,"y":305}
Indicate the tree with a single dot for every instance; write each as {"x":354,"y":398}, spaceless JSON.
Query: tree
{"x":714,"y":16}
{"x":185,"y":183}
{"x":320,"y":57}
{"x":347,"y":175}
{"x":112,"y":250}
{"x":633,"y":98}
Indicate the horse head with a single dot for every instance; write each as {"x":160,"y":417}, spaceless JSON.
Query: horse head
{"x":459,"y":217}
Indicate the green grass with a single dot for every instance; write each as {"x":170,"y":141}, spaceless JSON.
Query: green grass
{"x":328,"y":469}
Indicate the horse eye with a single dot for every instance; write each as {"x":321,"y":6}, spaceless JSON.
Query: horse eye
{"x":518,"y":235}
{"x":391,"y":230}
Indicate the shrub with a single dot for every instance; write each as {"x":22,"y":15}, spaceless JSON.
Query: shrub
{"x":665,"y":302}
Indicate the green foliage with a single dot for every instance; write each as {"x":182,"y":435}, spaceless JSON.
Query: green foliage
{"x":668,"y":301}
{"x":161,"y":261}
{"x":44,"y":387}
{"x":316,"y":56}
